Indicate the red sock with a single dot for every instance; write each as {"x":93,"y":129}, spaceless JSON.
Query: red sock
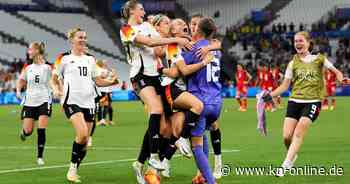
{"x":325,"y":102}
{"x":245,"y":103}
{"x":239,"y":101}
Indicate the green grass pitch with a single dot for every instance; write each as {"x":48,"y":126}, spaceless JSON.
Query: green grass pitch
{"x":114,"y":148}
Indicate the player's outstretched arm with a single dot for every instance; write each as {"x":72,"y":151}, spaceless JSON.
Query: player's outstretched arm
{"x":189,"y":69}
{"x":282,"y":88}
{"x":338,"y":74}
{"x":158,"y":41}
{"x":101,"y":82}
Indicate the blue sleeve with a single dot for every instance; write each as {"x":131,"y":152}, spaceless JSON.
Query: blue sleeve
{"x":188,"y":57}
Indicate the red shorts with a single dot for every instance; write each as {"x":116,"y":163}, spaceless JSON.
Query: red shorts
{"x":330,"y":90}
{"x":241,"y":90}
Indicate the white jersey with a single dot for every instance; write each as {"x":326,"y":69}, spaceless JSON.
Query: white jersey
{"x":38,"y":89}
{"x":173,"y":55}
{"x":77,"y":73}
{"x":139,"y":56}
{"x":103,"y":72}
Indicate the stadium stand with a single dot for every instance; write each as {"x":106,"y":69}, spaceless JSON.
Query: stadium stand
{"x":306,"y":11}
{"x":226,"y":12}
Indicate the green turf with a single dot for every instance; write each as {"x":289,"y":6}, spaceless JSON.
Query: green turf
{"x":326,"y":144}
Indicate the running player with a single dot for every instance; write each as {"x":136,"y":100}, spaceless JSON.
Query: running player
{"x":35,"y":77}
{"x":242,"y":80}
{"x":76,"y":70}
{"x":205,"y":85}
{"x":330,"y":79}
{"x":305,"y":71}
{"x":138,"y":37}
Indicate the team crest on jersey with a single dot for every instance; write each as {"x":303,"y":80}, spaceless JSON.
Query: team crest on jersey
{"x":127,"y":33}
{"x":172,"y":51}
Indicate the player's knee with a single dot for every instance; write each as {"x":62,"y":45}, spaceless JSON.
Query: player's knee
{"x":28,"y":131}
{"x":198,"y":107}
{"x":156,"y":108}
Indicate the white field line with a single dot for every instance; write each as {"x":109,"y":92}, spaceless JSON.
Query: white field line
{"x":86,"y":164}
{"x":67,"y":148}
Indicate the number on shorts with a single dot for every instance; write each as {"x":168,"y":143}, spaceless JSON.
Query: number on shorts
{"x":313,"y":109}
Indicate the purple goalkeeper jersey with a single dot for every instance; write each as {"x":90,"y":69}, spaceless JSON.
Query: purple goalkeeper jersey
{"x":204,"y":83}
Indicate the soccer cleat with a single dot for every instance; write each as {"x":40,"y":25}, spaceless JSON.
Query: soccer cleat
{"x":218,"y":166}
{"x":198,"y":179}
{"x":40,"y":161}
{"x":324,"y":107}
{"x":151,"y":177}
{"x":279,"y":172}
{"x":155,"y":163}
{"x":22,"y":136}
{"x":331,"y":108}
{"x":138,"y":171}
{"x":89,"y":143}
{"x":166,"y":172}
{"x":111,"y":123}
{"x":184,"y":147}
{"x":102,"y":122}
{"x":72,"y":174}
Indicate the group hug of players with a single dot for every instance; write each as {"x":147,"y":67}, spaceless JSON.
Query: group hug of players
{"x":269,"y":78}
{"x":175,"y":71}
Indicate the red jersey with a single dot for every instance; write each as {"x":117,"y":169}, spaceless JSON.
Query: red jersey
{"x":276,"y":77}
{"x":330,"y":78}
{"x":241,"y":77}
{"x":267,"y":83}
{"x":260,"y":75}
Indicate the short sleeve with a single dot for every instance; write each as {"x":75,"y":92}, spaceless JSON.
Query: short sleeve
{"x":94,"y":70}
{"x":327,"y":64}
{"x":128,"y":34}
{"x":289,"y":71}
{"x":59,"y":66}
{"x":49,"y":72}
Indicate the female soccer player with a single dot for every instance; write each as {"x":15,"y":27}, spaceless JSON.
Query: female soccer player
{"x":76,"y":70}
{"x":305,"y":71}
{"x":37,"y":102}
{"x":242,"y":80}
{"x":138,"y":37}
{"x":215,"y":132}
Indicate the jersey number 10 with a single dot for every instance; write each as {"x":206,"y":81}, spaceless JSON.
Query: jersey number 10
{"x":83,"y":70}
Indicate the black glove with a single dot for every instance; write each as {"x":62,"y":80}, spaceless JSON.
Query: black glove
{"x":267,"y":98}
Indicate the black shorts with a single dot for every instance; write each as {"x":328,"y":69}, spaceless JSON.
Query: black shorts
{"x":35,"y":112}
{"x":297,"y":110}
{"x":141,"y":81}
{"x":169,"y":95}
{"x":89,"y":114}
{"x":107,"y":96}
